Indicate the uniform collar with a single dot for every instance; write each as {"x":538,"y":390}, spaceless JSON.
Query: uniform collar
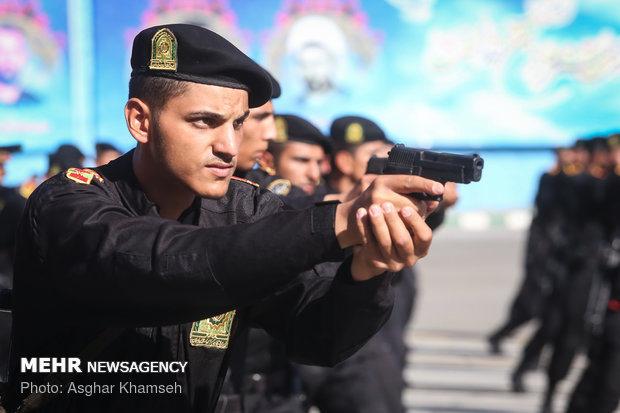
{"x":120,"y":172}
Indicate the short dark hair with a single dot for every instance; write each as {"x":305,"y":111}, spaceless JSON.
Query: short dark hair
{"x":276,"y":148}
{"x":155,"y":91}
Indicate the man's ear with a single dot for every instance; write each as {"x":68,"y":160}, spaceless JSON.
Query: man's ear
{"x":268,"y":160}
{"x":344,"y":162}
{"x":138,"y":116}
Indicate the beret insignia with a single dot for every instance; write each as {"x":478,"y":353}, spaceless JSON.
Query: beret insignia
{"x":282,"y":129}
{"x":82,"y":176}
{"x":247,"y":181}
{"x":354,"y":133}
{"x":280,"y":187}
{"x":212,"y":332}
{"x":163,"y":51}
{"x":613,"y":141}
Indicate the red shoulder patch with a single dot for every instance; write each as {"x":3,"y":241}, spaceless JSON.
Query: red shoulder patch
{"x":82,"y":176}
{"x":247,"y":181}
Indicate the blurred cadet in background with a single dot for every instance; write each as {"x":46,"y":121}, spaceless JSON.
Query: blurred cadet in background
{"x":298,"y":151}
{"x":105,"y":152}
{"x":572,"y":201}
{"x":11,"y":207}
{"x":356,"y":140}
{"x":254,"y":163}
{"x":66,"y":156}
{"x":258,"y":130}
{"x":598,"y":389}
{"x":372,"y":380}
{"x":260,"y":371}
{"x":543,"y":253}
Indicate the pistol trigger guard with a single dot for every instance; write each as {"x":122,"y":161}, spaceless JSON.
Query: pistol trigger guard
{"x":426,"y":197}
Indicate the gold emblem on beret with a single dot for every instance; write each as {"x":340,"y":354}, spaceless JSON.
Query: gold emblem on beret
{"x":212,"y":332}
{"x":282,"y":129}
{"x":354,"y":133}
{"x":164,"y":51}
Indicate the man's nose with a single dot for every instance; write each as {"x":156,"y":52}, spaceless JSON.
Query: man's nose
{"x":270,"y":132}
{"x":227,"y":141}
{"x":314,"y":172}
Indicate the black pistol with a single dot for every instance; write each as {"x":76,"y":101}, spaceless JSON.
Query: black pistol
{"x":438,"y":166}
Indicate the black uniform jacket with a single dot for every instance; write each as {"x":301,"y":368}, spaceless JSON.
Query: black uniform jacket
{"x":95,"y":255}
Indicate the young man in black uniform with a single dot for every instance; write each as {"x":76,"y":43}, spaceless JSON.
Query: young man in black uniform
{"x":11,"y":207}
{"x":159,"y":257}
{"x":598,"y":388}
{"x":298,"y":151}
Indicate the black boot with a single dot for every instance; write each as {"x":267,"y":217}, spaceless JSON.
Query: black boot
{"x":517,"y":381}
{"x":548,"y":399}
{"x":494,"y":341}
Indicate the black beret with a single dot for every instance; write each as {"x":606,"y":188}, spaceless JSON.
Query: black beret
{"x":65,"y":157}
{"x":580,"y":144}
{"x":276,"y":91}
{"x":11,"y":148}
{"x":195,"y":54}
{"x":596,"y":144}
{"x":353,"y":130}
{"x":294,"y":128}
{"x":104,"y":146}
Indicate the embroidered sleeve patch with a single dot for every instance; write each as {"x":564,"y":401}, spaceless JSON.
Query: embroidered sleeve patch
{"x":82,"y":176}
{"x":247,"y":181}
{"x":280,"y":187}
{"x":212,"y":332}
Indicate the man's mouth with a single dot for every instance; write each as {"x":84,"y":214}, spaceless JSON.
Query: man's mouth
{"x":221,"y":170}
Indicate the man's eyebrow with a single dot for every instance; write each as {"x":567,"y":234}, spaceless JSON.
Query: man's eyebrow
{"x":244,"y":117}
{"x":262,"y":114}
{"x":207,"y":114}
{"x":216,"y":116}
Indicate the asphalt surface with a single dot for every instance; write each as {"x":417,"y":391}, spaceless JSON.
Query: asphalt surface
{"x":466,"y":284}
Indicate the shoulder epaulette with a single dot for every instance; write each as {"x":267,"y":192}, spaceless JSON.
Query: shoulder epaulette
{"x":82,"y":176}
{"x":268,"y":169}
{"x":572,"y":169}
{"x":598,"y":172}
{"x":247,"y":181}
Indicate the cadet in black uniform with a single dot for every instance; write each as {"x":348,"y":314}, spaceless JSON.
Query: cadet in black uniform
{"x":261,"y":374}
{"x":253,"y":151}
{"x":543,"y":262}
{"x":372,"y":380}
{"x":298,"y":151}
{"x":598,"y":389}
{"x":11,"y":207}
{"x":159,"y":256}
{"x":105,"y":152}
{"x":572,"y":303}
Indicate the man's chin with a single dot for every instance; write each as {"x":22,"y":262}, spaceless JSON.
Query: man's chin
{"x":215,"y":190}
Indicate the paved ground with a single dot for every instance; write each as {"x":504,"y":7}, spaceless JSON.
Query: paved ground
{"x":466,"y":284}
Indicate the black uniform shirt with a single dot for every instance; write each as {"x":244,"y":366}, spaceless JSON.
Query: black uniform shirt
{"x":94,"y":255}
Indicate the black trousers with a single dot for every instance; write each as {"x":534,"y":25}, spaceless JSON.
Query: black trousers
{"x":598,"y":389}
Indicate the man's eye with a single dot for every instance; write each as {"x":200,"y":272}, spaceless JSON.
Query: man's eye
{"x":204,"y":122}
{"x":238,"y":124}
